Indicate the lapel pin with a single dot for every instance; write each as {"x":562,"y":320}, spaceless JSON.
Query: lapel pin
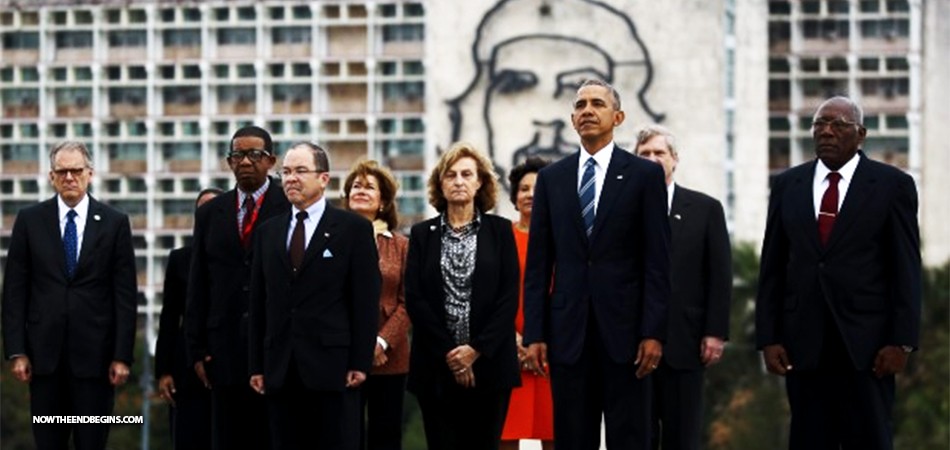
{"x":619,"y":177}
{"x":431,"y":227}
{"x":326,"y":235}
{"x":677,"y":216}
{"x":96,"y":218}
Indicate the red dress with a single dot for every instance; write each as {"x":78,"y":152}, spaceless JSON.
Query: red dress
{"x":530,"y":413}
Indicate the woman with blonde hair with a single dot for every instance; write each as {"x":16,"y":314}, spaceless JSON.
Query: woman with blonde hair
{"x":462,"y":296}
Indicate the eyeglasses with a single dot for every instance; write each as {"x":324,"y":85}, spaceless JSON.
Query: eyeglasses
{"x":299,"y":172}
{"x":838,"y":124}
{"x":253,"y":155}
{"x":76,"y":172}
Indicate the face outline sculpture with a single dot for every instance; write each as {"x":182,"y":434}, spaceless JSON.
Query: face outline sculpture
{"x":510,"y":74}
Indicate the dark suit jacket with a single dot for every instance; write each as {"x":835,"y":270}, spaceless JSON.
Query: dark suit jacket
{"x":702,"y":277}
{"x":621,"y":274}
{"x":325,"y":316}
{"x":494,"y":304}
{"x":219,"y":285}
{"x":170,"y":355}
{"x":868,"y":275}
{"x":92,"y":316}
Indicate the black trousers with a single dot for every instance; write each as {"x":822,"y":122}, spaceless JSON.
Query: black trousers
{"x":302,"y":418}
{"x":382,"y":400}
{"x":62,"y":394}
{"x":677,"y":408}
{"x":595,"y":385}
{"x":464,"y":419}
{"x":836,"y":406}
{"x":190,"y":418}
{"x":238,"y":418}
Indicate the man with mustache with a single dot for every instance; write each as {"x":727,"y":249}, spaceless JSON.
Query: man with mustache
{"x":838,"y":308}
{"x":216,"y":316}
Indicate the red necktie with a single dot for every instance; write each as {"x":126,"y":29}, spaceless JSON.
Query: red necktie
{"x":829,"y":208}
{"x":248,"y":221}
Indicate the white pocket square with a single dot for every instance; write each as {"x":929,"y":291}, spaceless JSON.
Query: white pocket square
{"x":327,"y":253}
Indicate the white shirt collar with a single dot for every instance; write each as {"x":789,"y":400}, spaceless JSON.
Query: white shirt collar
{"x":669,"y":196}
{"x":602,"y":156}
{"x":81,"y":208}
{"x":846,"y":171}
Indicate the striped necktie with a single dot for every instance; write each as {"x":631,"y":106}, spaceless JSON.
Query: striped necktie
{"x":586,"y":193}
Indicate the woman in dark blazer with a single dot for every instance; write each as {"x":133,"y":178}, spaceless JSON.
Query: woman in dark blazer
{"x":462,"y":296}
{"x":370,"y":191}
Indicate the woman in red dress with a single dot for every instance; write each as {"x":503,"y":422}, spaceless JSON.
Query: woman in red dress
{"x":530,"y":412}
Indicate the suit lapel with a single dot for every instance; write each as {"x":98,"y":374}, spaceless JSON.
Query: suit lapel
{"x":679,"y":211}
{"x":860,"y":189}
{"x":803,"y":198}
{"x":90,"y":234}
{"x":569,"y":192}
{"x":227,"y":212}
{"x":325,"y":232}
{"x":613,"y":183}
{"x":51,"y":223}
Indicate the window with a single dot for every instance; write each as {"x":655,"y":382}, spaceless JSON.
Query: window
{"x":126,"y":151}
{"x":898,"y":6}
{"x":136,"y":128}
{"x":388,"y":68}
{"x":73,"y":39}
{"x":80,"y":97}
{"x":190,"y":129}
{"x":82,"y":130}
{"x":83,"y":74}
{"x":29,"y":131}
{"x":404,"y":91}
{"x":222,"y":14}
{"x":870,"y":6}
{"x":222,"y":71}
{"x":293,"y":93}
{"x":29,"y":74}
{"x":167,"y":129}
{"x":277,"y":13}
{"x":779,"y":65}
{"x":413,"y":126}
{"x":168,"y":15}
{"x":6,"y":74}
{"x":810,"y":65}
{"x":137,"y":73}
{"x":83,"y":17}
{"x":191,"y":14}
{"x":291,"y":35}
{"x":276,"y":70}
{"x":896,"y":122}
{"x":137,"y":16}
{"x":181,"y":38}
{"x":811,"y":7}
{"x":137,"y":185}
{"x":779,"y":124}
{"x":114,"y":73}
{"x":898,"y":64}
{"x":302,"y":70}
{"x":302,"y":13}
{"x":59,"y":130}
{"x":132,"y":96}
{"x":21,"y":41}
{"x":236,"y":94}
{"x":413,"y":68}
{"x":191,"y":72}
{"x":300,"y":127}
{"x":245,"y":71}
{"x":22,"y":97}
{"x":237,"y":36}
{"x":403,"y":33}
{"x":167,"y":72}
{"x":869,"y":64}
{"x":246,"y":13}
{"x":182,"y":94}
{"x":780,"y":8}
{"x":387,"y":10}
{"x":178,"y":151}
{"x":838,"y":6}
{"x":837,"y":65}
{"x":413,"y":10}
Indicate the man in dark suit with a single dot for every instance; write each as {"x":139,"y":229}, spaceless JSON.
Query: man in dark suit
{"x":699,"y":307}
{"x":69,"y":303}
{"x":838,"y":308}
{"x":190,"y":402}
{"x":218,"y":290}
{"x":315,"y":290}
{"x":597,"y":280}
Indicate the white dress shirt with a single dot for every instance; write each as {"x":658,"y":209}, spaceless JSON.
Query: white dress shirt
{"x":602,"y":158}
{"x":82,"y":213}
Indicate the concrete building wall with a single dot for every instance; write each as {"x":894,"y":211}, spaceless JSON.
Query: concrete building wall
{"x":934,"y":180}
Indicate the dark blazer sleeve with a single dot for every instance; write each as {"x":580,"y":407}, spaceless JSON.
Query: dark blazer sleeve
{"x":498,"y":326}
{"x":257,"y":313}
{"x":365,"y":284}
{"x":768,"y":304}
{"x":539,"y":265}
{"x":16,"y":281}
{"x":656,"y":259}
{"x":197,"y":301}
{"x":125,"y":289}
{"x":904,"y":243}
{"x":173,"y":308}
{"x":719,"y":266}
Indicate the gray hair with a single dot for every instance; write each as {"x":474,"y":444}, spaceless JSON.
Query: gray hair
{"x":72,"y":146}
{"x":321,"y":159}
{"x":856,"y":110}
{"x":602,"y":83}
{"x":652,"y":130}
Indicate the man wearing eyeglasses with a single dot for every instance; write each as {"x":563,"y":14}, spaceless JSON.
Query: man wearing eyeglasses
{"x":838,"y":308}
{"x":216,"y":315}
{"x":69,"y":300}
{"x":315,"y":289}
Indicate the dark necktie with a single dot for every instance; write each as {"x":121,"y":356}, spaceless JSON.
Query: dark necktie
{"x":297,"y":242}
{"x":586,"y":194}
{"x":828,"y":211}
{"x":247,"y":222}
{"x":70,"y":242}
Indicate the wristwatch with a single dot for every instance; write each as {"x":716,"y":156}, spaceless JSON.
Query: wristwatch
{"x":907,"y":348}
